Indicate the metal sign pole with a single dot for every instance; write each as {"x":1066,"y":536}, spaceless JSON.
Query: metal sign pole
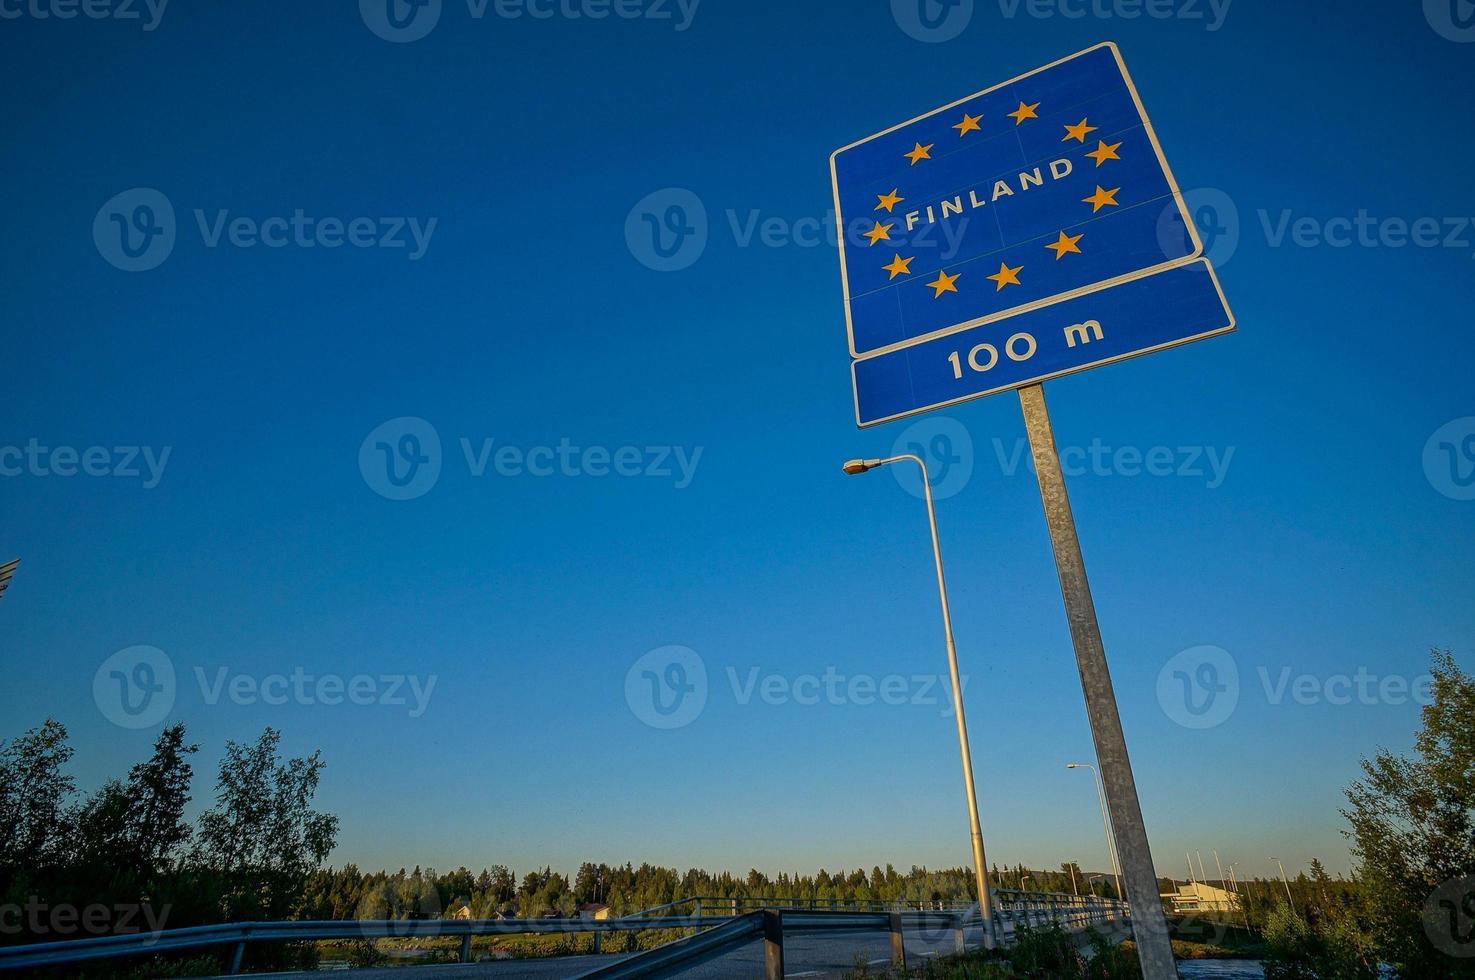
{"x":1149,"y":925}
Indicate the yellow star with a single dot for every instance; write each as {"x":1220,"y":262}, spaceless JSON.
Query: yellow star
{"x":880,"y":233}
{"x":920,"y":153}
{"x":1101,"y":198}
{"x":1104,"y":152}
{"x":1006,"y":276}
{"x":1024,"y":112}
{"x":899,"y":266}
{"x":944,"y":283}
{"x":889,"y":201}
{"x":1078,"y":131}
{"x":969,"y":124}
{"x":1067,"y":243}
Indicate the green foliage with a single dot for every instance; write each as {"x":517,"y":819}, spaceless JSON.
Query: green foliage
{"x":1110,"y":960}
{"x":1413,"y":828}
{"x":137,"y":829}
{"x":33,"y":795}
{"x":120,"y":861}
{"x":399,"y":896}
{"x":1046,"y":951}
{"x":146,"y":968}
{"x":262,"y":838}
{"x":365,"y":953}
{"x":1333,"y":949}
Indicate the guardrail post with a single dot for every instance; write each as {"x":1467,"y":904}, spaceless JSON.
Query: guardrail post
{"x":466,"y":948}
{"x":598,"y":941}
{"x":960,"y":942}
{"x":236,"y":957}
{"x":898,"y":943}
{"x":734,"y":908}
{"x":773,"y":944}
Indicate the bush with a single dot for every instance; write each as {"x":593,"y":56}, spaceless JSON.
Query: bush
{"x":1045,"y":952}
{"x":1332,"y":949}
{"x":1110,"y":960}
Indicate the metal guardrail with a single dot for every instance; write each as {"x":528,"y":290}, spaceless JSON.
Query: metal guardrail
{"x":714,"y":932}
{"x":771,"y":924}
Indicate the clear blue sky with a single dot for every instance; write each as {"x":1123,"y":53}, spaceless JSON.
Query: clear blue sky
{"x":528,"y":320}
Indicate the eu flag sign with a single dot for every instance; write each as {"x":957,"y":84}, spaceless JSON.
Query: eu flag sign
{"x":1036,"y":192}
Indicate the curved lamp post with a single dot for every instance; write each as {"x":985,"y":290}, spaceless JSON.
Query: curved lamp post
{"x":980,"y":869}
{"x":1116,"y":866}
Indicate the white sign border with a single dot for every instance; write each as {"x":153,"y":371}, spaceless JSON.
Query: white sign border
{"x":1198,"y":249}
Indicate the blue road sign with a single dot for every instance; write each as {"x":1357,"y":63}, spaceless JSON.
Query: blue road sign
{"x":1046,"y":187}
{"x":1159,"y":310}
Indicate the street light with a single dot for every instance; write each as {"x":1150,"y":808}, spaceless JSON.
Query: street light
{"x":1240,"y":895}
{"x":1105,"y":825}
{"x":1283,"y":881}
{"x":855,"y":467}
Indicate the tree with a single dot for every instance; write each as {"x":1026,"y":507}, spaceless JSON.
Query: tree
{"x":1322,"y":880}
{"x":504,"y":884}
{"x":33,"y":798}
{"x":262,"y":837}
{"x":1334,"y":948}
{"x":158,"y":791}
{"x":1413,"y":827}
{"x":137,"y":829}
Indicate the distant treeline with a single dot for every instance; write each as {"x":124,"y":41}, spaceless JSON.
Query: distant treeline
{"x":348,"y":893}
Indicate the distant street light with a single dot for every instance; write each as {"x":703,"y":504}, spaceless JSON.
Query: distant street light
{"x":1116,"y":866}
{"x":1091,"y":885}
{"x":1241,"y":895}
{"x":1287,"y":884}
{"x":980,"y":868}
{"x":7,"y":572}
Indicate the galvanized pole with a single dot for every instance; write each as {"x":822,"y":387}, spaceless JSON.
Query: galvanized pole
{"x":1111,"y":855}
{"x":1149,"y":925}
{"x":1287,"y":884}
{"x":980,"y":867}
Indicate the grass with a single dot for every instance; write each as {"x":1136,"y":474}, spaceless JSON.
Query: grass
{"x":1196,"y":938}
{"x":429,"y":949}
{"x":1047,"y":953}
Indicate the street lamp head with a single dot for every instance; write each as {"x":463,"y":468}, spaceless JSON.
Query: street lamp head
{"x":858,"y":466}
{"x":1072,"y":765}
